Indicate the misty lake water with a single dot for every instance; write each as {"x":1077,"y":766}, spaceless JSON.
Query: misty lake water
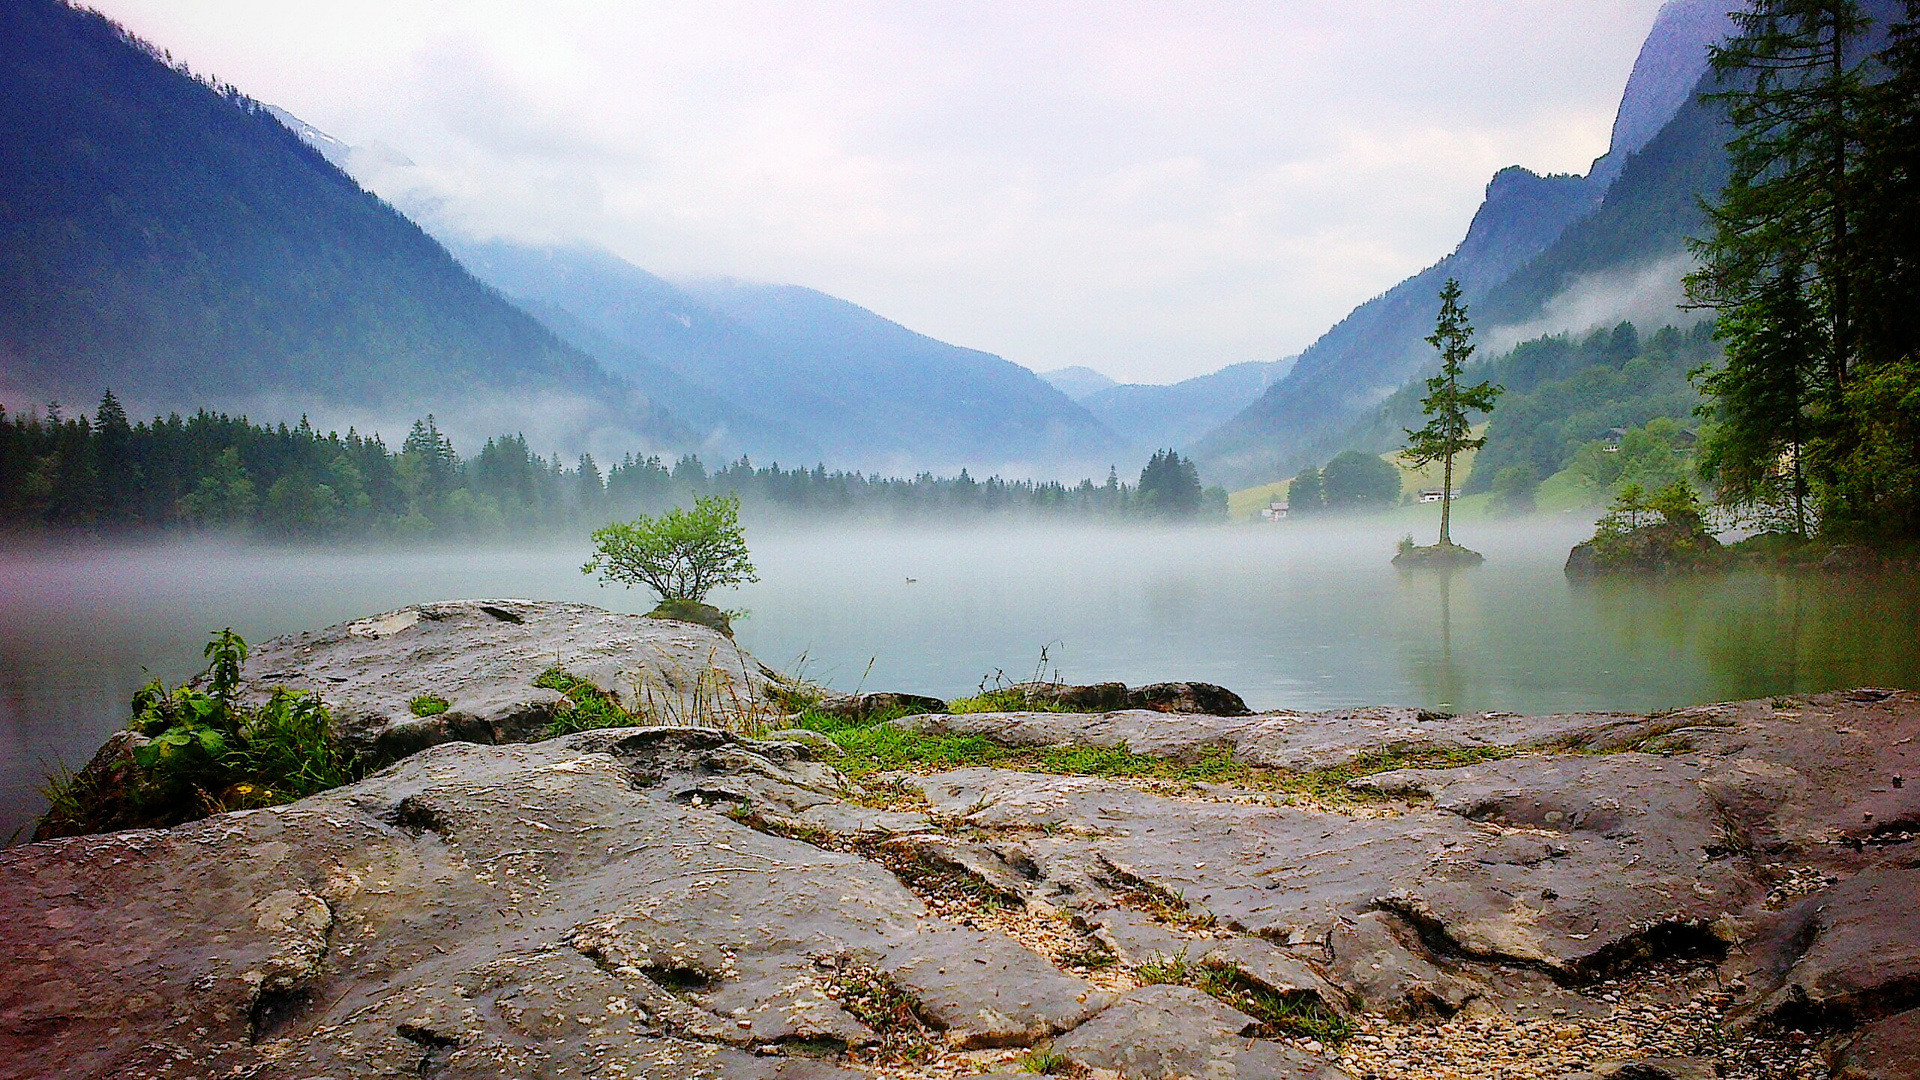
{"x":1288,"y":616}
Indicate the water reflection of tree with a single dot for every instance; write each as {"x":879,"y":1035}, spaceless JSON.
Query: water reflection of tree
{"x":1804,"y":633}
{"x":1722,"y":637}
{"x":1442,"y":681}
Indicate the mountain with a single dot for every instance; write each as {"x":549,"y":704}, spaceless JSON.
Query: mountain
{"x":785,"y":372}
{"x":876,"y":392}
{"x":1077,"y":382}
{"x":1177,"y":415}
{"x":1541,"y":251}
{"x":168,"y":238}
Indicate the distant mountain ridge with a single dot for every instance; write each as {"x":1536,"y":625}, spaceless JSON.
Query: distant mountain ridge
{"x":171,"y":240}
{"x":1177,"y":415}
{"x":787,"y":372}
{"x":1078,"y":382}
{"x":1528,"y":244}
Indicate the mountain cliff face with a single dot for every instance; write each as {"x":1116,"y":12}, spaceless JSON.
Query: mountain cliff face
{"x":784,"y":372}
{"x":171,"y":240}
{"x":1534,"y":239}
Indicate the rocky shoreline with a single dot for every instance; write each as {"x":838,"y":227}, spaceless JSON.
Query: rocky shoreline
{"x":1722,"y":891}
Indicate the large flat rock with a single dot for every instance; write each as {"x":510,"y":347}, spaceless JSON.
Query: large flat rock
{"x":677,"y":901}
{"x":482,"y":657}
{"x":557,"y":908}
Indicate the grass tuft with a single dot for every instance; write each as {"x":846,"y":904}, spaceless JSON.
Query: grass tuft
{"x":1303,"y":1015}
{"x":892,"y":1011}
{"x":1045,"y":1062}
{"x":428,"y":705}
{"x":589,"y":707}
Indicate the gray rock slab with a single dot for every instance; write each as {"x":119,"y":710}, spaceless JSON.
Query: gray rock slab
{"x":531,"y":909}
{"x":986,"y":990}
{"x":1138,"y":938}
{"x":1277,"y":970}
{"x":1378,"y":958}
{"x":1157,"y":1032}
{"x":482,"y":657}
{"x":1575,"y":903}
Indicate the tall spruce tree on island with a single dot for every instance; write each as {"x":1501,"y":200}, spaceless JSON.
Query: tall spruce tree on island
{"x":1449,"y":429}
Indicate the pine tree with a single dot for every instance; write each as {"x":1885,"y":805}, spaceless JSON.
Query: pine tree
{"x":1795,"y":92}
{"x":1762,"y":399}
{"x":1449,"y":430}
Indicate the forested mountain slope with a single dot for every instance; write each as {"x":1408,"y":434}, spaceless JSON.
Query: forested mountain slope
{"x":1535,"y":240}
{"x":171,"y":240}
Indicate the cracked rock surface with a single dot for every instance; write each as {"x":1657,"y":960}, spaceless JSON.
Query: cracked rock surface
{"x":1731,"y":888}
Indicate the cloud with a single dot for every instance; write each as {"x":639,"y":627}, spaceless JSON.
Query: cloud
{"x":1647,"y":294}
{"x":1150,"y":189}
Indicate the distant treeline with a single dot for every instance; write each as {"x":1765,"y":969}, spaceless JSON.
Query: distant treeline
{"x":212,"y":471}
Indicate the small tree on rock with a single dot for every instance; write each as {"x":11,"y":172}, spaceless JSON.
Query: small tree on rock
{"x":1449,"y":431}
{"x":682,"y":555}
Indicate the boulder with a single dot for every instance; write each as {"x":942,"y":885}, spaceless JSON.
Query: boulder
{"x":569,"y":907}
{"x":1167,"y":697}
{"x":1848,"y":953}
{"x":1887,"y":1049}
{"x":1188,"y":697}
{"x":482,"y":657}
{"x":867,"y":706}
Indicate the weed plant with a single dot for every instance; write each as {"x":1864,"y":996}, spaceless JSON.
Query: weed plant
{"x":203,"y":751}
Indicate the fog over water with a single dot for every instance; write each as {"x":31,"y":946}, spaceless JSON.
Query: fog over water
{"x":1290,"y":617}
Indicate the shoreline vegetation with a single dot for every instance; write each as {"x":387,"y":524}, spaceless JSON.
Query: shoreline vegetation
{"x":215,"y":744}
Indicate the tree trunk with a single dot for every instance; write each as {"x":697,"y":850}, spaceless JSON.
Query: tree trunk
{"x":1446,"y":502}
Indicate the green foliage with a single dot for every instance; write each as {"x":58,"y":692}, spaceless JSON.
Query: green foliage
{"x":1044,"y":1062}
{"x":1169,"y":487}
{"x":1642,"y":532}
{"x":1011,"y":699}
{"x":588,"y":708}
{"x":1514,"y":489}
{"x":1763,"y":403}
{"x":681,"y":555}
{"x":876,"y":747}
{"x":1300,"y":1014}
{"x":1357,"y":481}
{"x":428,"y":705}
{"x":203,"y":752}
{"x":1564,"y":392}
{"x":891,"y":1010}
{"x":1810,"y":262}
{"x":1650,"y":457}
{"x":295,"y":483}
{"x":1307,"y":494}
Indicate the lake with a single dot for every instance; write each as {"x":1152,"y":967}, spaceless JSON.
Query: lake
{"x":1289,"y":616}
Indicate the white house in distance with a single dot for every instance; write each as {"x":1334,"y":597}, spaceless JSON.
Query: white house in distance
{"x":1434,"y":495}
{"x":1275,"y":511}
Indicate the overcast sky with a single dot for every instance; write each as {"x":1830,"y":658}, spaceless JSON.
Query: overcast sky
{"x":1151,"y":189}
